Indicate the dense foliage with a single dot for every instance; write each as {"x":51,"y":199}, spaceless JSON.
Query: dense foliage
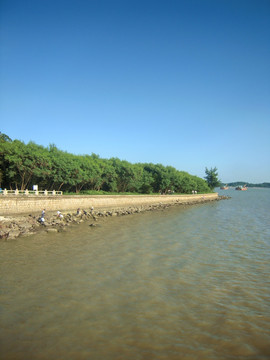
{"x":211,"y":176}
{"x":23,"y":165}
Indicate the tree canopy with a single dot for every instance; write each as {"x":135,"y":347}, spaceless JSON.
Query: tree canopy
{"x":23,"y":165}
{"x":212,"y":177}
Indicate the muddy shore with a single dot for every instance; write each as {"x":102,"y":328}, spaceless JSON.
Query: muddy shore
{"x":12,"y":227}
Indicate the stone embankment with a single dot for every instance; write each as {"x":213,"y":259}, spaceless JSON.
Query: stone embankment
{"x":16,"y":204}
{"x":24,"y":225}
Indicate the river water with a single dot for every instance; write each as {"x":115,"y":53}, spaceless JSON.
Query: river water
{"x":184,"y":283}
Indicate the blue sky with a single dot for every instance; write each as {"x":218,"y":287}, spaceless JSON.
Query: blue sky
{"x":181,"y":83}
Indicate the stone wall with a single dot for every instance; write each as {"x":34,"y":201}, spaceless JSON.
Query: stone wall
{"x":11,"y":205}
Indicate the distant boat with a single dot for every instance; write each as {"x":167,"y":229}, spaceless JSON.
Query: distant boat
{"x":244,"y":187}
{"x":225,"y":187}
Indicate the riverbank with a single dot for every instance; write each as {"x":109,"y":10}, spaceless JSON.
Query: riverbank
{"x":14,"y":226}
{"x":20,"y":204}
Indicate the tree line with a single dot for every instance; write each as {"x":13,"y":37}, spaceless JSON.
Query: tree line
{"x":242,"y":183}
{"x":24,"y":165}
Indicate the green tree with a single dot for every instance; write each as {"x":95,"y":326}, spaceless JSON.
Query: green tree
{"x":201,"y":185}
{"x":187,"y":184}
{"x":146,"y":182}
{"x":22,"y":165}
{"x":212,"y":177}
{"x":4,"y":138}
{"x":107,"y":179}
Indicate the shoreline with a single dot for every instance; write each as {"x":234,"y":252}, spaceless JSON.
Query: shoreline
{"x":22,"y":204}
{"x":22,"y":225}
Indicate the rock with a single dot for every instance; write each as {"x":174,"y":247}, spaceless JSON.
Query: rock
{"x":223,"y":197}
{"x":13,"y":234}
{"x":51,"y":230}
{"x":56,"y":222}
{"x":25,"y":226}
{"x":13,"y":226}
{"x":3,"y":234}
{"x":28,"y":233}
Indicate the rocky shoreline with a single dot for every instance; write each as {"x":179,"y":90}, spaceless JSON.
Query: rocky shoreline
{"x":12,"y":227}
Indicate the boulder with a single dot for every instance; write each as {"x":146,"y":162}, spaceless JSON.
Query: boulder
{"x":3,"y":234}
{"x":13,"y":234}
{"x":25,"y":226}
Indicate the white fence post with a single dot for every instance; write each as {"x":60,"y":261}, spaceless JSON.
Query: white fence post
{"x":30,"y":193}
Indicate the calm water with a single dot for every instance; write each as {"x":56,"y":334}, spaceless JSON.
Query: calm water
{"x":190,"y":283}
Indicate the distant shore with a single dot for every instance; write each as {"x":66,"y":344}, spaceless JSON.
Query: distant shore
{"x":13,"y":226}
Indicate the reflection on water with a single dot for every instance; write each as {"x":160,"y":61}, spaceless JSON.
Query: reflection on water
{"x":187,"y":283}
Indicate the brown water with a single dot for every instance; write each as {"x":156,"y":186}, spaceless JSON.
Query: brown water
{"x":188,"y":283}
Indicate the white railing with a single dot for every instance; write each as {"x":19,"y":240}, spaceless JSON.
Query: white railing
{"x":30,"y":192}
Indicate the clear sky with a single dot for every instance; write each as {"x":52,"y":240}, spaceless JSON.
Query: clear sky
{"x":181,"y":83}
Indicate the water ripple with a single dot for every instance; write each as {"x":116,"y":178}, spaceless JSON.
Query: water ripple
{"x":187,"y":283}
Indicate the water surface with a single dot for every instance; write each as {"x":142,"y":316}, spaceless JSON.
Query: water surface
{"x":184,"y":283}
